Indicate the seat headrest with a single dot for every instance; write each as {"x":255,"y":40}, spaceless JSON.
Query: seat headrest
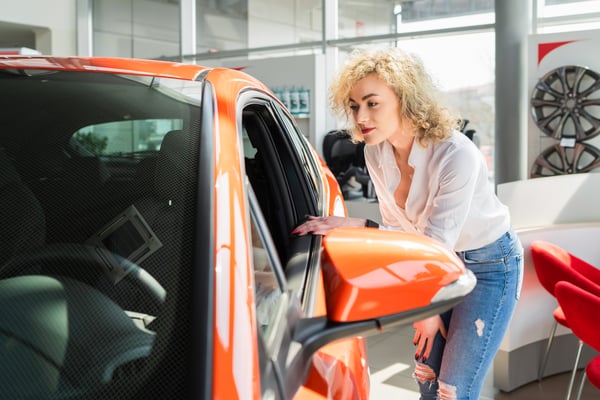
{"x":170,"y":164}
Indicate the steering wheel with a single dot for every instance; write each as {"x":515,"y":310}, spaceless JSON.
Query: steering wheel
{"x":63,"y":336}
{"x":98,"y":267}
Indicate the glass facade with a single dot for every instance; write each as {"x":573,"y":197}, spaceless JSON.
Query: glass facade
{"x":284,"y":22}
{"x":135,"y":28}
{"x":152,"y":28}
{"x":567,"y":15}
{"x":222,"y":25}
{"x":381,"y":17}
{"x":455,"y":38}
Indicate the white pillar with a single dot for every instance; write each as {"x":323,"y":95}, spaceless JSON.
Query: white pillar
{"x":513,"y":25}
{"x":330,"y":27}
{"x":188,"y":28}
{"x":85,"y":43}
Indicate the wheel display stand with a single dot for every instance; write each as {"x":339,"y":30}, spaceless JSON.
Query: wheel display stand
{"x":565,"y":106}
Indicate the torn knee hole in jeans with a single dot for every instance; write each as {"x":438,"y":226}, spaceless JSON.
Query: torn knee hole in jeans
{"x":424,"y":373}
{"x":446,"y":392}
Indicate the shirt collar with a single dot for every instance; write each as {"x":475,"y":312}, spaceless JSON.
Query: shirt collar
{"x":417,"y":154}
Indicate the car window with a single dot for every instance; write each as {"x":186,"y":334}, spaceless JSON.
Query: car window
{"x":125,"y":137}
{"x":305,"y":156}
{"x":284,"y":175}
{"x":267,"y":286}
{"x":270,"y":299}
{"x":284,"y":189}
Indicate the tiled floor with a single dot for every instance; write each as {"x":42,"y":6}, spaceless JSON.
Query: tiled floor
{"x":391,"y":358}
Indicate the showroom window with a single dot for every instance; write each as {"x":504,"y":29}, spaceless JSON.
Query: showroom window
{"x":135,"y":28}
{"x":455,"y":38}
{"x":566,"y":15}
{"x":222,"y":25}
{"x":380,"y":17}
{"x":466,"y":77}
{"x":284,"y":22}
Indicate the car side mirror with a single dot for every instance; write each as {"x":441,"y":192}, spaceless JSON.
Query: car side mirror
{"x":377,"y":279}
{"x":364,"y":270}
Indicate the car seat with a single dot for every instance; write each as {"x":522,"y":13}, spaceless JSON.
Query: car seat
{"x":163,"y":210}
{"x":69,"y":186}
{"x":23,"y":222}
{"x":346,"y":160}
{"x":158,"y":218}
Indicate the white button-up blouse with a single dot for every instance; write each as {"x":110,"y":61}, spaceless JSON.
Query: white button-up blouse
{"x":450,"y":197}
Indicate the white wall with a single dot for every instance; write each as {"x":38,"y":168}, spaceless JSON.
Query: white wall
{"x":53,"y":21}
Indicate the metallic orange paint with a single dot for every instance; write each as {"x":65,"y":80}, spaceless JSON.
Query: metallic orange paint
{"x":339,"y":371}
{"x":425,"y":267}
{"x":107,"y":64}
{"x":236,"y":374}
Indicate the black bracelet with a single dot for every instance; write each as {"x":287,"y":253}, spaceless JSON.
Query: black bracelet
{"x":371,"y":224}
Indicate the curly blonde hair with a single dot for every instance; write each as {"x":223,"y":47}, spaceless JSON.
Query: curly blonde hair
{"x":405,"y":74}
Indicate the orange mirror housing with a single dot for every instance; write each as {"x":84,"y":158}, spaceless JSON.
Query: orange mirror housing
{"x":394,"y":272}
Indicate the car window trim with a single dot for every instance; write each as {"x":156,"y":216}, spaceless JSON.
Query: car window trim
{"x":301,"y":141}
{"x":301,"y":274}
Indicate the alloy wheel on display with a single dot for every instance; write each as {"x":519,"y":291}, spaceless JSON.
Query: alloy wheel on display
{"x":561,"y":160}
{"x":565,"y":103}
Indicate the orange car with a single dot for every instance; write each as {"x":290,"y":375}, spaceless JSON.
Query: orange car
{"x":145,"y":246}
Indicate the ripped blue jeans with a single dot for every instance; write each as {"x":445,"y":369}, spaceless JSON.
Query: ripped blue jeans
{"x":457,"y":365}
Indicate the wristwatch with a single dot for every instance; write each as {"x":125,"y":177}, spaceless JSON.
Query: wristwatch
{"x":371,"y":224}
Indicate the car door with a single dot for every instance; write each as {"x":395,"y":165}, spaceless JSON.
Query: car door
{"x":285,"y":184}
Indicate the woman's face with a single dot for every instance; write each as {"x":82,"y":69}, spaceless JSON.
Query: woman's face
{"x":375,"y":109}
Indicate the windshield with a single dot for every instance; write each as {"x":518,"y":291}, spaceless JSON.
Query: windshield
{"x":98,"y":178}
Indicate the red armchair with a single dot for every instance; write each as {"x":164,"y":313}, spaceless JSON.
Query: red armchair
{"x":582,"y":309}
{"x":553,"y":264}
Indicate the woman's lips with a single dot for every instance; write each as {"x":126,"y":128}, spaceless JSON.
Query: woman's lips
{"x":366,"y":131}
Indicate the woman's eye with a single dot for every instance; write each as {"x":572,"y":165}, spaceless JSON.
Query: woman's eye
{"x":371,"y":104}
{"x":353,"y":107}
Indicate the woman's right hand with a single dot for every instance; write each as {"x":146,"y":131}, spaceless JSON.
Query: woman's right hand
{"x":322,"y":225}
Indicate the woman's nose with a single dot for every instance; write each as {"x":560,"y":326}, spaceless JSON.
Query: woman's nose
{"x":361,"y":116}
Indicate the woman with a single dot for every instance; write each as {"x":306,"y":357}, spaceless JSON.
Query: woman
{"x":430,"y":178}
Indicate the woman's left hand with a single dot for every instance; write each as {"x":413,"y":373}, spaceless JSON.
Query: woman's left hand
{"x":425,"y":332}
{"x":322,"y":225}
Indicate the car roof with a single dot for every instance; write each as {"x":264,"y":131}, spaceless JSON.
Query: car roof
{"x":128,"y":66}
{"x":88,"y":84}
{"x":114,"y":65}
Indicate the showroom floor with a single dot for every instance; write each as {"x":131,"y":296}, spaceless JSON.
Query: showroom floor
{"x":391,"y":364}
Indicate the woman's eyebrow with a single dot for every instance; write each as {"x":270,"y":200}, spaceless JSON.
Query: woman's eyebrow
{"x":365,"y":97}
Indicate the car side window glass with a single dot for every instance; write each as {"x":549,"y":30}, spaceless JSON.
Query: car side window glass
{"x":303,"y":150}
{"x":268,"y":292}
